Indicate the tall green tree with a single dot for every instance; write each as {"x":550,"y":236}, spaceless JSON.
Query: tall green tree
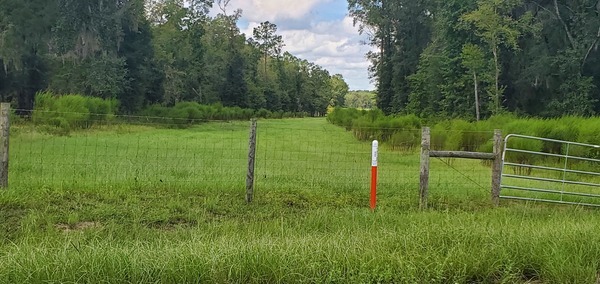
{"x":496,"y":27}
{"x":178,"y":29}
{"x":268,"y":41}
{"x":401,"y":31}
{"x":339,"y":90}
{"x":473,"y":58}
{"x":25,"y":31}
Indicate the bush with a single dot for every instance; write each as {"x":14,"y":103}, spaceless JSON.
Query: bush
{"x":458,"y":135}
{"x":263,"y":113}
{"x":101,"y":109}
{"x":69,"y":112}
{"x":404,"y":140}
{"x":461,"y":135}
{"x":439,"y":135}
{"x":345,"y":116}
{"x":184,"y":114}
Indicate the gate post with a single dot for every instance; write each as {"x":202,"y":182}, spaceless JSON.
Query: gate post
{"x":4,"y":136}
{"x":424,"y":177}
{"x":497,"y":167}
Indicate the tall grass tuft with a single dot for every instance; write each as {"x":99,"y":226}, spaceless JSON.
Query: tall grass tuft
{"x":184,"y":114}
{"x":64,"y":113}
{"x":402,"y":132}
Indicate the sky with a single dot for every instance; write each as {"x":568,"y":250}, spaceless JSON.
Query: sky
{"x":319,"y":31}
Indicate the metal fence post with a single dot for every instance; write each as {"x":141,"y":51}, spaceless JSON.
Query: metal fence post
{"x":424,"y":177}
{"x":4,"y":137}
{"x":497,"y":167}
{"x":251,"y":159}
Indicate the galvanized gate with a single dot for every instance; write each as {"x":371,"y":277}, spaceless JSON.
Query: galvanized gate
{"x":549,"y":170}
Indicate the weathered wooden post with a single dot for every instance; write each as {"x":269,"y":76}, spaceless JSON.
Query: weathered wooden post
{"x":4,"y":133}
{"x":424,"y":177}
{"x":497,"y":167}
{"x":251,"y":159}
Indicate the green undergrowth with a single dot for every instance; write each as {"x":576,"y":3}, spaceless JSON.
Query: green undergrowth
{"x":63,"y":114}
{"x":184,"y":114}
{"x":462,"y":135}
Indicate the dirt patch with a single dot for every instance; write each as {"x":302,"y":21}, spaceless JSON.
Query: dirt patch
{"x":172,"y":223}
{"x":77,"y":226}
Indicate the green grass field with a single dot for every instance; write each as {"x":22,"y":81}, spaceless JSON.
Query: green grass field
{"x":144,"y":204}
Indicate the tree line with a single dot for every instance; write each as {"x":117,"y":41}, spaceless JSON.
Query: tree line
{"x":476,"y":58}
{"x":360,"y":99}
{"x":154,"y":52}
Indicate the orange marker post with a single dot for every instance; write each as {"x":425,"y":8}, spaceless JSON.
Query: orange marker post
{"x":374,"y":174}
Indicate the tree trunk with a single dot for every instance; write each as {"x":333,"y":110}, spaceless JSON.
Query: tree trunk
{"x":497,"y":91}
{"x":266,"y":75}
{"x":587,"y":54}
{"x":569,"y":36}
{"x":476,"y":95}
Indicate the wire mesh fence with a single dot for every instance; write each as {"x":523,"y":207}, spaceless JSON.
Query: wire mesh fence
{"x":294,"y":156}
{"x":127,"y":151}
{"x":322,"y":159}
{"x":304,"y":157}
{"x":457,"y":181}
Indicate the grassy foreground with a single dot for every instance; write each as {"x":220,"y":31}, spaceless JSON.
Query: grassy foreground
{"x":138,"y":204}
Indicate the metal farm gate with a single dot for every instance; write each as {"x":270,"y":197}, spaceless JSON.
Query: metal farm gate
{"x":549,"y":170}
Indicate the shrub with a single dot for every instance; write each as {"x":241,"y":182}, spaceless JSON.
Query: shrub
{"x":263,"y":113}
{"x":70,"y":112}
{"x":590,"y":132}
{"x":345,"y":117}
{"x":462,"y":135}
{"x":456,"y":140}
{"x":405,"y":139}
{"x":439,"y":135}
{"x":184,"y":114}
{"x":101,"y":109}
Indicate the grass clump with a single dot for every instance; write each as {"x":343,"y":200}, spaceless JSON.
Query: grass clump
{"x":62,"y":114}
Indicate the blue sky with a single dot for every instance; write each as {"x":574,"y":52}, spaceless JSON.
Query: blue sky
{"x":316,"y":30}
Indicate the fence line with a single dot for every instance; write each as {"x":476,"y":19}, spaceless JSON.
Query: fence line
{"x":293,"y":159}
{"x":114,"y":154}
{"x":426,"y":153}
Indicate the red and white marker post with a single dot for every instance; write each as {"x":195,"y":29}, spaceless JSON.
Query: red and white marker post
{"x":374,"y":174}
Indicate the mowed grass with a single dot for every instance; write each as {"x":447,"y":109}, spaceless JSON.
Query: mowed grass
{"x":142,"y":204}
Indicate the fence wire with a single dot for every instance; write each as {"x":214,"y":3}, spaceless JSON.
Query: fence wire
{"x":127,"y":151}
{"x":300,"y":158}
{"x":305,"y":157}
{"x":455,"y":182}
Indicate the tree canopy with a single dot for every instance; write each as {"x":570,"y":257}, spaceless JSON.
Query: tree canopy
{"x":472,"y":58}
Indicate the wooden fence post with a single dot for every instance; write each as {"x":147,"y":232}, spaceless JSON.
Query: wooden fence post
{"x":251,"y":159}
{"x":497,"y":167}
{"x":4,"y":135}
{"x":424,"y":177}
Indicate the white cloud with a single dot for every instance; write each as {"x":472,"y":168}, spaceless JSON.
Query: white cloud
{"x":272,"y":10}
{"x":335,"y":44}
